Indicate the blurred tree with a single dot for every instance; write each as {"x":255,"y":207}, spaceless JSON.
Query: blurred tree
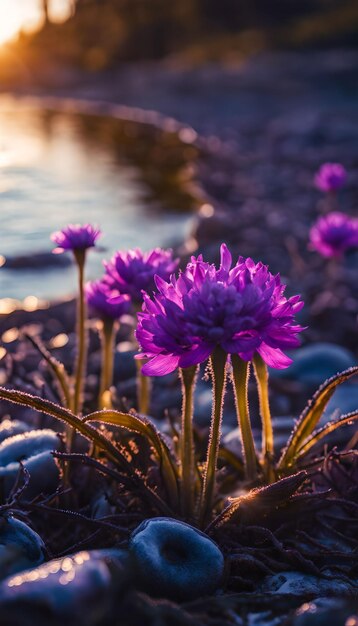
{"x":101,"y":33}
{"x":45,"y":10}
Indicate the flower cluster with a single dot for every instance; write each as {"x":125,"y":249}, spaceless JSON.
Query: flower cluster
{"x":76,"y":237}
{"x":333,"y":234}
{"x":130,"y":272}
{"x":330,"y":177}
{"x":241,"y":309}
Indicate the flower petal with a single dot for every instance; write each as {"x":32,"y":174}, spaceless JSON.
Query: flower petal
{"x":160,"y":365}
{"x":274,"y":357}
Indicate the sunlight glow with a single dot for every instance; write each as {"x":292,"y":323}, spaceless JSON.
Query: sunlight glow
{"x":27,"y":15}
{"x":11,"y":19}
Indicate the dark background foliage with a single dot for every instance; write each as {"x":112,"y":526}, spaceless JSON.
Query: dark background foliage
{"x":103,"y":32}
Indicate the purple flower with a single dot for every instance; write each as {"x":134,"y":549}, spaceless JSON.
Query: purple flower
{"x":333,"y":234}
{"x":98,"y":296}
{"x":133,"y":271}
{"x":76,"y":237}
{"x":330,"y":177}
{"x":242,"y":309}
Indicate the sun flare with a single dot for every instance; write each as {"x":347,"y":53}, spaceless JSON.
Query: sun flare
{"x":27,"y":15}
{"x":11,"y":20}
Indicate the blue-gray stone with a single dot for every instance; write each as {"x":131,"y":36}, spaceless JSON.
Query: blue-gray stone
{"x":9,"y":428}
{"x":344,"y":399}
{"x":33,"y":449}
{"x":20,"y":547}
{"x":80,"y":588}
{"x":312,"y":365}
{"x":174,"y":560}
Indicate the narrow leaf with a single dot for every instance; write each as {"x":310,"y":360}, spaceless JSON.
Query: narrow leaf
{"x":146,"y":428}
{"x":65,"y":415}
{"x":324,"y":431}
{"x":311,"y":415}
{"x":271,"y":496}
{"x":57,"y":368}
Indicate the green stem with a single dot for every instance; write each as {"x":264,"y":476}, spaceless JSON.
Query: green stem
{"x":144,"y":383}
{"x":267,"y":431}
{"x":241,"y":374}
{"x":107,"y":337}
{"x":144,"y":388}
{"x":80,"y":256}
{"x":187,"y":456}
{"x":218,"y":369}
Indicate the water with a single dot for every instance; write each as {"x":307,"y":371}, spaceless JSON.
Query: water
{"x":51,"y":174}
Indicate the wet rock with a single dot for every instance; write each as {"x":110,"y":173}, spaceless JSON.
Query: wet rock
{"x":33,"y":449}
{"x":20,"y":547}
{"x":81,"y":588}
{"x":174,"y":560}
{"x":9,"y":428}
{"x":300,"y":584}
{"x":37,"y":260}
{"x":313,"y":364}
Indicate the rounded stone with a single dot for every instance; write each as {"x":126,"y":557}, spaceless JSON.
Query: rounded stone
{"x":312,"y":365}
{"x":81,"y":589}
{"x":174,"y":560}
{"x":20,"y":547}
{"x":33,"y":449}
{"x":9,"y":428}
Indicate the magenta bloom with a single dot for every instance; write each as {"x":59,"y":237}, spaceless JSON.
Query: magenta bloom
{"x":76,"y":237}
{"x":333,"y":234}
{"x":330,"y":177}
{"x":98,"y":296}
{"x":133,"y":271}
{"x":242,"y":309}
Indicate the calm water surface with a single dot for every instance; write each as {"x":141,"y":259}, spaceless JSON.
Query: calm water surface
{"x":50,"y":175}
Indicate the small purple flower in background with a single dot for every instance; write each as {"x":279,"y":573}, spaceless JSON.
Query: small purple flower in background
{"x":76,"y":237}
{"x":333,"y":234}
{"x":241,"y":309}
{"x":133,"y":271}
{"x":330,"y":177}
{"x":98,"y":299}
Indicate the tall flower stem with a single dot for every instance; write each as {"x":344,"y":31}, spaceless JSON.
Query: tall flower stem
{"x":80,"y":256}
{"x":107,"y":338}
{"x":187,"y":456}
{"x":218,"y":370}
{"x":144,"y":383}
{"x":261,"y":374}
{"x":144,"y":387}
{"x":241,"y":372}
